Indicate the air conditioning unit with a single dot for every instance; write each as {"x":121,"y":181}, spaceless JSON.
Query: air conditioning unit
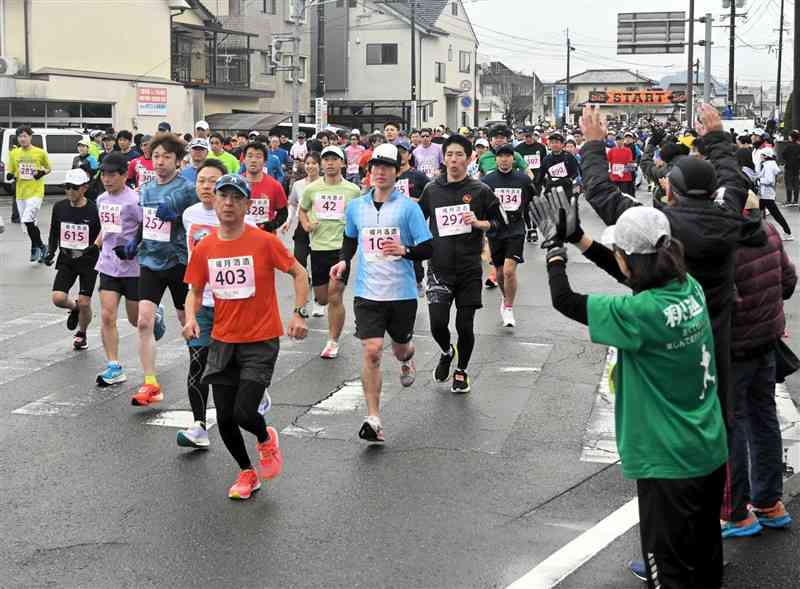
{"x":9,"y":66}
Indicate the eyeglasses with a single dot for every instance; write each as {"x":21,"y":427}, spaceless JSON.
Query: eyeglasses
{"x":71,"y":187}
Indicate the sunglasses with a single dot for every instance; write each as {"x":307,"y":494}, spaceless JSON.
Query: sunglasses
{"x":71,"y":186}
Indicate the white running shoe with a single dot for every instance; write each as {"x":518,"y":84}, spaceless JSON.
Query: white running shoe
{"x":507,"y":313}
{"x":317,"y":310}
{"x":330,"y":351}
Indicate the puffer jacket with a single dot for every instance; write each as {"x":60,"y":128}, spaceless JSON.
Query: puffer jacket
{"x":765,"y":277}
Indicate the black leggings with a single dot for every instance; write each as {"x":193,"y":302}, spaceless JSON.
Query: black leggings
{"x":198,"y":391}
{"x":238,"y":407}
{"x":773,"y":209}
{"x":302,"y":249}
{"x":34,"y":234}
{"x":465,"y":317}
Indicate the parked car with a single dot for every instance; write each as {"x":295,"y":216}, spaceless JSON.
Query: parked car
{"x":61,"y":146}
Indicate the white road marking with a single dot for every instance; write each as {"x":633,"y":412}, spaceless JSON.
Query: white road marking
{"x":27,"y":323}
{"x":514,"y":369}
{"x":348,"y":399}
{"x":556,"y":567}
{"x":599,"y":439}
{"x":181,"y":419}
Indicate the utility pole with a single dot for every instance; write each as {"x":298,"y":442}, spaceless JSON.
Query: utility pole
{"x":689,"y":80}
{"x":732,"y":56}
{"x":761,"y":107}
{"x":413,"y":113}
{"x":570,"y":49}
{"x":780,"y":63}
{"x":297,"y":20}
{"x":795,"y":124}
{"x":708,"y":20}
{"x":320,"y":50}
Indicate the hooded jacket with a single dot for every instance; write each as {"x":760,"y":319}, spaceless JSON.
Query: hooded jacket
{"x":458,"y":255}
{"x":765,"y":277}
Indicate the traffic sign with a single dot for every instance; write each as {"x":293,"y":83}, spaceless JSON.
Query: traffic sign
{"x":651,"y":32}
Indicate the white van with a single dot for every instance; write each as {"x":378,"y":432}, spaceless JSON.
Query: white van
{"x":61,"y":146}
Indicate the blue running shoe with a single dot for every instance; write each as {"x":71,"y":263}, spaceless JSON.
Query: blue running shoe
{"x":112,"y":375}
{"x":774,"y":517}
{"x":638,"y":570}
{"x":159,"y":327}
{"x":742,"y":529}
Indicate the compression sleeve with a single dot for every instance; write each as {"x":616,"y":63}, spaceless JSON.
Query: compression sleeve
{"x":565,"y":301}
{"x":419,"y":252}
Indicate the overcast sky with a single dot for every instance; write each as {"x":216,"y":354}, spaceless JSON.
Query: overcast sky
{"x":530,"y":35}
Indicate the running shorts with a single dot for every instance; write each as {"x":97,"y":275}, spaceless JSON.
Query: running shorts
{"x":153,"y":283}
{"x":375,"y":318}
{"x":466,"y":290}
{"x":321,"y":264}
{"x":126,"y":286}
{"x":69,"y":271}
{"x":229,"y":363}
{"x":510,"y":248}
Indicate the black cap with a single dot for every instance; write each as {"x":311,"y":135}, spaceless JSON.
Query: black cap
{"x":505,"y":148}
{"x":671,"y":150}
{"x":114,"y":162}
{"x":692,"y":177}
{"x":164,"y":126}
{"x":499,"y":130}
{"x":556,"y":137}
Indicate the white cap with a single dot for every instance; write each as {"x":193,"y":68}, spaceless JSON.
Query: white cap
{"x":386,"y":153}
{"x":200,"y":143}
{"x":766,"y":152}
{"x":85,"y":142}
{"x":253,"y":134}
{"x":355,"y":132}
{"x":334,"y":149}
{"x":202,"y":125}
{"x":76,"y":177}
{"x":638,"y":231}
{"x":482,"y":141}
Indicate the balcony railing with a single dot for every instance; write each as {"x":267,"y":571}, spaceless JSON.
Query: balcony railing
{"x":203,"y":56}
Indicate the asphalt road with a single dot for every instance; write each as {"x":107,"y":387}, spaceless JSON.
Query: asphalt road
{"x":471,"y":491}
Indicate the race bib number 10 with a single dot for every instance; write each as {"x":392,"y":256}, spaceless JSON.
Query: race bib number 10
{"x":154,"y":228}
{"x":373,"y":240}
{"x":232,"y":278}
{"x":329,"y":206}
{"x":111,"y":218}
{"x":450,"y":220}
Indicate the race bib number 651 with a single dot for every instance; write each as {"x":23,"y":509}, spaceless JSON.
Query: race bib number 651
{"x":232,"y":278}
{"x":450,"y":220}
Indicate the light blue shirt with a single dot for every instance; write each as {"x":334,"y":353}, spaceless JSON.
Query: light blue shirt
{"x":180,"y":194}
{"x":190,"y":173}
{"x":392,"y":280}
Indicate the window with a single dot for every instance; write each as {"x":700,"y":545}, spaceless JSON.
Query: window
{"x":36,"y":141}
{"x":430,"y":111}
{"x":267,"y":67}
{"x":454,"y":8}
{"x":288,"y":61}
{"x":441,"y":72}
{"x":269,"y":7}
{"x":292,"y":14}
{"x":464,"y":62}
{"x":62,"y":143}
{"x":381,"y":53}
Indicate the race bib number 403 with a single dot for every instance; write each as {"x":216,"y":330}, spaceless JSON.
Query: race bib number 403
{"x":154,"y":228}
{"x":74,"y":236}
{"x":450,"y":220}
{"x":232,"y":278}
{"x":374,"y":239}
{"x":111,"y":217}
{"x":329,"y":206}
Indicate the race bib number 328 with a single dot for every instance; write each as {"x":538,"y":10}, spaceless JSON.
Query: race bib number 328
{"x":232,"y":278}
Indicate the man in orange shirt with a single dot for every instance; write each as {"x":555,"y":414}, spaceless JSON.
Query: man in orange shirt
{"x":238,"y":262}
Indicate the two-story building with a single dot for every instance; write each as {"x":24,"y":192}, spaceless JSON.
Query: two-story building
{"x":506,"y":95}
{"x":130,"y":65}
{"x":588,"y":84}
{"x":363,"y":64}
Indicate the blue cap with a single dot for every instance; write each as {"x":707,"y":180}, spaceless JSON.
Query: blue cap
{"x":234,"y":181}
{"x":403,"y":144}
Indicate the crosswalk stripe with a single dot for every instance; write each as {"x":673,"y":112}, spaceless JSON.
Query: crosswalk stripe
{"x":27,"y":323}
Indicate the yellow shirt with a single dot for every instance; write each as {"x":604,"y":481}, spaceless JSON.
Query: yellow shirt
{"x":23,"y":164}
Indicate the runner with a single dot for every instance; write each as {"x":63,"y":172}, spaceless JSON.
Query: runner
{"x":514,"y":191}
{"x":620,"y":158}
{"x":74,"y":227}
{"x":120,"y":217}
{"x":559,"y":168}
{"x":162,"y":255}
{"x":215,"y":141}
{"x":498,"y":136}
{"x":267,"y":197}
{"x":140,"y":170}
{"x":459,"y":210}
{"x":198,"y":152}
{"x":533,"y":153}
{"x":322,"y":213}
{"x":411,"y":183}
{"x":302,"y":247}
{"x":353,"y":152}
{"x":428,"y":157}
{"x":200,"y":220}
{"x":29,"y":165}
{"x":389,"y":233}
{"x":239,"y":262}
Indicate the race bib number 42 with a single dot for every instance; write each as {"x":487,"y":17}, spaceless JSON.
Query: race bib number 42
{"x":111,"y":218}
{"x":374,"y":239}
{"x":74,"y":236}
{"x":329,"y":206}
{"x":232,"y":278}
{"x":510,"y":198}
{"x":450,"y":220}
{"x":154,"y":228}
{"x":259,"y":210}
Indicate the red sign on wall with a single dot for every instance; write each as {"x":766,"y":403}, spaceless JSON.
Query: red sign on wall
{"x":151,"y":101}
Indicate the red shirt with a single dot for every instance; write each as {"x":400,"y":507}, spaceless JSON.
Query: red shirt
{"x":271,"y":190}
{"x":618,"y":160}
{"x":140,"y":170}
{"x":241,"y":274}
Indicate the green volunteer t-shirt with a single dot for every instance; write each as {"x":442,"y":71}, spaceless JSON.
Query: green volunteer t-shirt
{"x":326,"y":203}
{"x":23,"y":164}
{"x":668,"y":418}
{"x":488,"y":163}
{"x":229,"y":161}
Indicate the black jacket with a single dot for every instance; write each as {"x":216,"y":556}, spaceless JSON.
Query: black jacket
{"x":521,"y":184}
{"x":459,"y":255}
{"x":560,"y":169}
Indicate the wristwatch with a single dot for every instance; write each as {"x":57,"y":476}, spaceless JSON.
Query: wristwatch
{"x":302,"y":312}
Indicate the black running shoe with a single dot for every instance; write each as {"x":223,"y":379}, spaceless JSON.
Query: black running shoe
{"x":72,"y":318}
{"x":460,"y":382}
{"x":442,"y":372}
{"x":533,"y":236}
{"x":79,"y":342}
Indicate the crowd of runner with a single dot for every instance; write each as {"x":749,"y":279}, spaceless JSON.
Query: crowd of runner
{"x":416,"y":214}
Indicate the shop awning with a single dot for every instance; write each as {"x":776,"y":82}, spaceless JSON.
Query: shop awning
{"x":260,"y":121}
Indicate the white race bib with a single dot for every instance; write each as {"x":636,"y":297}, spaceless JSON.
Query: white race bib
{"x":154,"y":228}
{"x":534,"y":161}
{"x":232,"y":278}
{"x":450,"y":220}
{"x":618,"y":170}
{"x":259,"y":210}
{"x":26,"y":170}
{"x":428,"y":169}
{"x":559,"y":170}
{"x":402,"y":186}
{"x":352,"y":169}
{"x":74,"y":236}
{"x":111,"y":217}
{"x":373,"y":239}
{"x":510,"y":198}
{"x":329,"y":206}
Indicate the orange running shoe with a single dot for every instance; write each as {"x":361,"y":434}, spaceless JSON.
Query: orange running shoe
{"x":148,"y":394}
{"x":246,"y":484}
{"x":270,"y":456}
